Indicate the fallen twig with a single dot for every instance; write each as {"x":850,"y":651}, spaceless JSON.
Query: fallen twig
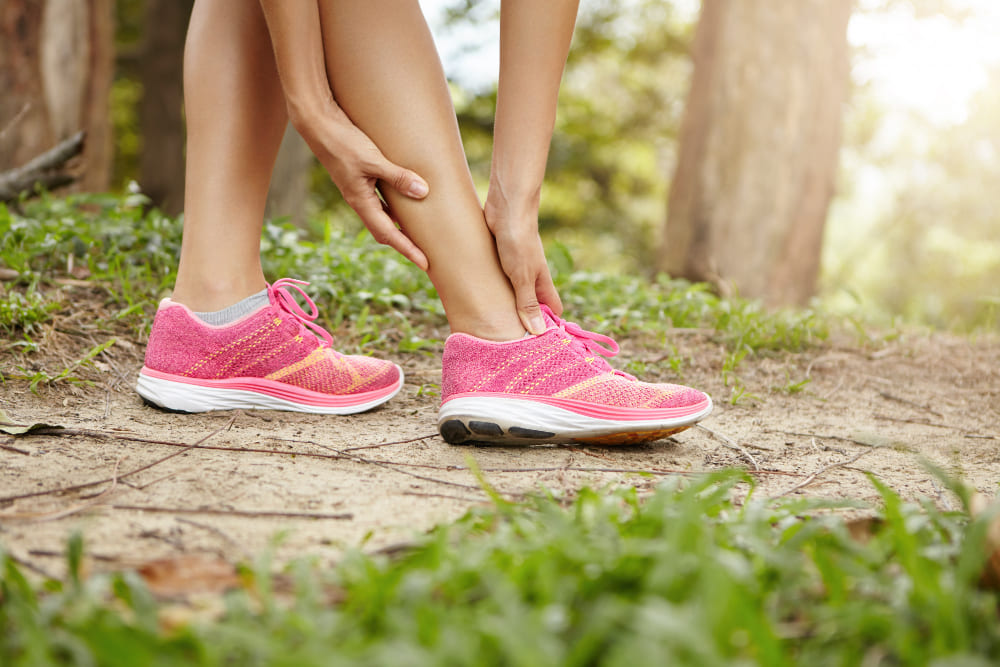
{"x":822,"y":436}
{"x":812,"y":478}
{"x":45,"y":170}
{"x":727,"y":442}
{"x":387,"y":444}
{"x":422,"y":494}
{"x":63,"y":513}
{"x":886,"y":395}
{"x":85,"y":485}
{"x":251,"y":514}
{"x":216,"y":531}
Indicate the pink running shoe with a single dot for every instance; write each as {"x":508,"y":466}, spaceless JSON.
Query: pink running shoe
{"x":555,"y":387}
{"x":270,"y":359}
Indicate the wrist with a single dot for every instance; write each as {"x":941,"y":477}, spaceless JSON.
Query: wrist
{"x":308,"y":111}
{"x":519,"y":198}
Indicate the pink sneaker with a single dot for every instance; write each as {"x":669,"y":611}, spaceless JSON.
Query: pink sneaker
{"x":270,"y":359}
{"x":555,"y":387}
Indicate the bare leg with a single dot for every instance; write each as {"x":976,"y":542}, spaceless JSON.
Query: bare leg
{"x":235,"y":120}
{"x":386,"y":75}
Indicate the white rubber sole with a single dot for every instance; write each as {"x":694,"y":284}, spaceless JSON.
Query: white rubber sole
{"x":496,"y":420}
{"x":185,"y":397}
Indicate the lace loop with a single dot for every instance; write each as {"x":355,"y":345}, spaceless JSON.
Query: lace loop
{"x":589,"y":340}
{"x":286,"y":301}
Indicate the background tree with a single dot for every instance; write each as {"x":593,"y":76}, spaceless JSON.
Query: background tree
{"x":758,"y":146}
{"x":161,"y":119}
{"x":56,"y":65}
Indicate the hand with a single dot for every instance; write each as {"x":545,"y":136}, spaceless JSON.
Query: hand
{"x":356,"y":167}
{"x":522,"y":259}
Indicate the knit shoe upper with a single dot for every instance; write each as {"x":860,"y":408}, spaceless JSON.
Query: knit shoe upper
{"x":277,"y":352}
{"x":564,"y":369}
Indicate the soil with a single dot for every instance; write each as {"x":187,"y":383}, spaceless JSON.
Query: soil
{"x":302,"y":485}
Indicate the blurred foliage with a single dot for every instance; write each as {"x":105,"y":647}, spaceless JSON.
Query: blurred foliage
{"x":694,"y":572}
{"x":915,"y":232}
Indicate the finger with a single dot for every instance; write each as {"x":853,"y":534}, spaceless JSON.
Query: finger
{"x":384,"y":230}
{"x":528,"y":310}
{"x":547,"y":293}
{"x":405,"y":181}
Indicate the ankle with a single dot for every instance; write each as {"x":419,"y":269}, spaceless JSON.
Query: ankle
{"x":488,"y":327}
{"x":213,"y":295}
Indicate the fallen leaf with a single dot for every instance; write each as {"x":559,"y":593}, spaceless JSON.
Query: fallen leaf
{"x":864,"y":528}
{"x":191,"y":573}
{"x":8,"y":426}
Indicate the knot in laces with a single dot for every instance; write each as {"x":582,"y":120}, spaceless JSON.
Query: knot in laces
{"x":283,"y":299}
{"x":586,"y":342}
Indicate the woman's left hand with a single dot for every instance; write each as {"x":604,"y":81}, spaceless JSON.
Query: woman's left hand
{"x":519,"y":246}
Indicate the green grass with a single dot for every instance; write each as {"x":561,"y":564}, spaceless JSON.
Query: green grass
{"x":373,"y":296}
{"x":686,"y":576}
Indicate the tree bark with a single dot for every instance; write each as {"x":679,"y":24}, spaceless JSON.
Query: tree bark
{"x":759,"y":146}
{"x":161,"y":119}
{"x":56,"y":65}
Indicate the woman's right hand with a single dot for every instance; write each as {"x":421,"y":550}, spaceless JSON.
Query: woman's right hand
{"x":356,"y":167}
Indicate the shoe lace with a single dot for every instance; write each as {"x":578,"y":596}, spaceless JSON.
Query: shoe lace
{"x":588,"y":342}
{"x":284,"y":300}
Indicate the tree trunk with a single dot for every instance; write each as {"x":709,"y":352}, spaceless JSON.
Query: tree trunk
{"x":56,"y":64}
{"x":289,"y":190}
{"x":759,"y":145}
{"x":161,"y":119}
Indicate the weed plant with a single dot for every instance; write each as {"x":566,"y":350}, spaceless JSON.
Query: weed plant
{"x":685,"y":576}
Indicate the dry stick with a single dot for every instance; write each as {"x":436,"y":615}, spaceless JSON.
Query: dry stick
{"x":85,"y":485}
{"x":442,"y":495}
{"x":387,"y":444}
{"x":16,"y":450}
{"x":73,"y":509}
{"x":62,"y":554}
{"x":886,"y":395}
{"x":31,"y":566}
{"x":261,"y":514}
{"x":134,"y":438}
{"x":15,"y":120}
{"x":822,"y":437}
{"x":212,"y":529}
{"x":727,"y":442}
{"x":811,"y":478}
{"x":392,"y":465}
{"x":44,"y":169}
{"x":658,"y":472}
{"x":920,"y":422}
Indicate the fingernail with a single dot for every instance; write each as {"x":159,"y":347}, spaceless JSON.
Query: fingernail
{"x":537,"y":325}
{"x":418,"y":189}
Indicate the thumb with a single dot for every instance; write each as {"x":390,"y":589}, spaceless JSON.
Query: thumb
{"x":547,"y":293}
{"x":403,"y":180}
{"x":528,"y":309}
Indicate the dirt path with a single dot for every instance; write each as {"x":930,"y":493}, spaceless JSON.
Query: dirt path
{"x":379,"y":478}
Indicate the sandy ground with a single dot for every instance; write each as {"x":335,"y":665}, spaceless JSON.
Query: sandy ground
{"x":314,"y":485}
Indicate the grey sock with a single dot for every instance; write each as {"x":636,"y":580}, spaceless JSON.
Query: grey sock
{"x":235,"y":311}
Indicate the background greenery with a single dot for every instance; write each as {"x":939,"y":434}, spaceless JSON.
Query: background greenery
{"x":697,"y":573}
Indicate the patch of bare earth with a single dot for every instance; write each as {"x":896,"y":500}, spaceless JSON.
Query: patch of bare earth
{"x":142,"y":484}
